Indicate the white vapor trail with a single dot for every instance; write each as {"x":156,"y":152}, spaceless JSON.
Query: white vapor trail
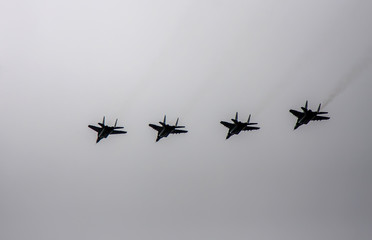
{"x":349,"y":77}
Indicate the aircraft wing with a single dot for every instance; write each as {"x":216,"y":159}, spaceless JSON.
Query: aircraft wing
{"x":97,"y":129}
{"x":117,"y":132}
{"x":319,"y":118}
{"x":226,"y":124}
{"x":156,"y":127}
{"x":296,"y":113}
{"x":177,"y":131}
{"x":249,"y":128}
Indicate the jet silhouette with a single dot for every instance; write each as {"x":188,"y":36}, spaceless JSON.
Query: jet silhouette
{"x":236,"y":127}
{"x":164,"y":130}
{"x":307,"y":115}
{"x":104,"y":131}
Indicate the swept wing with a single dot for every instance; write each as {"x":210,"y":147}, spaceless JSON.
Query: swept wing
{"x":97,"y":129}
{"x":226,"y":124}
{"x":156,"y":127}
{"x":296,"y":113}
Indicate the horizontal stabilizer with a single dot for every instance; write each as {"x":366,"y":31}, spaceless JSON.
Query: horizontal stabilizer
{"x":248,"y":128}
{"x":118,"y":132}
{"x":320,"y":118}
{"x":179,"y":131}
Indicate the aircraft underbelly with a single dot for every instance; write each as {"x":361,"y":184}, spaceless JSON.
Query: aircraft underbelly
{"x":304,"y":120}
{"x":104,"y":134}
{"x":307,"y":120}
{"x":234,"y":130}
{"x":163,"y":133}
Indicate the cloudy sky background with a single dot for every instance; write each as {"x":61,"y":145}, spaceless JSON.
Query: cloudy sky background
{"x":66,"y":64}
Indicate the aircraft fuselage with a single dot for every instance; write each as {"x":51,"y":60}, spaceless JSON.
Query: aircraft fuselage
{"x":238,"y":127}
{"x":308,"y":116}
{"x":165,"y":132}
{"x":104,"y":133}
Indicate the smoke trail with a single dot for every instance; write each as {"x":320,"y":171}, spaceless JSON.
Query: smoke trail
{"x":304,"y":59}
{"x":350,"y":77}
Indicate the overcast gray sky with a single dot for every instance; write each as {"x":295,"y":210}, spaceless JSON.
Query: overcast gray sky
{"x":65,"y":64}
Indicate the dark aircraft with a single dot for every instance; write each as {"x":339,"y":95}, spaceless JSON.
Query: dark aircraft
{"x":236,"y":127}
{"x":104,"y":130}
{"x":164,"y":130}
{"x":307,"y":115}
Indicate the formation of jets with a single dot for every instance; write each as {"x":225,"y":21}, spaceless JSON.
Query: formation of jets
{"x":234,"y":128}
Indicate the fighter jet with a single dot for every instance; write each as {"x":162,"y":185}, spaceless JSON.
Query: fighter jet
{"x":307,"y":115}
{"x":164,"y":130}
{"x":236,"y":127}
{"x":104,"y":131}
